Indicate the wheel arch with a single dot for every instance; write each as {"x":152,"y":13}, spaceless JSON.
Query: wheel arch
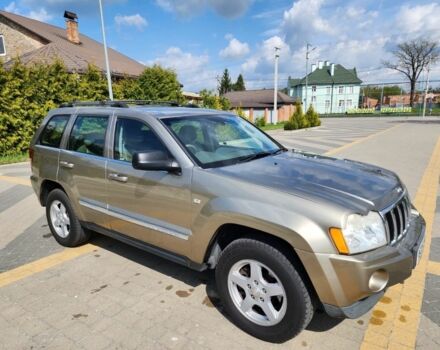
{"x":228,"y":233}
{"x":46,"y":187}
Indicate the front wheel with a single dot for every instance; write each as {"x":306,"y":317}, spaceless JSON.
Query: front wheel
{"x":262,"y":291}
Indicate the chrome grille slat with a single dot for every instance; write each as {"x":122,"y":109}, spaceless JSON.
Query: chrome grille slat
{"x":397,"y":219}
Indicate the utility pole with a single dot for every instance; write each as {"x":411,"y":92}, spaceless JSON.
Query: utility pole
{"x":107,"y":64}
{"x":426,"y":90}
{"x":308,"y":51}
{"x":274,"y":117}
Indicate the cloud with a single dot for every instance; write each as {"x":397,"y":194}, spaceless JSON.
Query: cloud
{"x":40,"y":14}
{"x":303,"y":21}
{"x":136,"y":21}
{"x":235,"y":49}
{"x":419,"y":20}
{"x":190,"y":8}
{"x":191,"y":69}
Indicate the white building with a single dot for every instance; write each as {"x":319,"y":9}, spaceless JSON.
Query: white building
{"x":331,"y":88}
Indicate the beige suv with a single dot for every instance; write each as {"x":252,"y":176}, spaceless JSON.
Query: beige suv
{"x":286,"y":231}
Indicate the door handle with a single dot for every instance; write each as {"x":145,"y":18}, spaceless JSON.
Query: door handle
{"x":117,"y":177}
{"x":67,"y":165}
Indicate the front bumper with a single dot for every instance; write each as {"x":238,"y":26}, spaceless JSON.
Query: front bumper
{"x":350,"y":285}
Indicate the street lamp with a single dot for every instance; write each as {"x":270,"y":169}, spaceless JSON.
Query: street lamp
{"x":107,"y":64}
{"x":274,"y":117}
{"x":308,"y":51}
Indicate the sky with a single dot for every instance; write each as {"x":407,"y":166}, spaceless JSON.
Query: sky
{"x":200,"y":38}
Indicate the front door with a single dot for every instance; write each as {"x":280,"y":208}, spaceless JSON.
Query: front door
{"x":151,"y":206}
{"x":82,"y":167}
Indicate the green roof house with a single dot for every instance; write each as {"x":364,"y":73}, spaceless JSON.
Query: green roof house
{"x":332,"y":88}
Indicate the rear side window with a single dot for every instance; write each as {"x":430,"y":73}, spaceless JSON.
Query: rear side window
{"x":53,"y":132}
{"x":88,"y":135}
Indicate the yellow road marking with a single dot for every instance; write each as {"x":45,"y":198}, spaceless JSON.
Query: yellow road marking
{"x":363,"y":139}
{"x":434,"y":267}
{"x":45,"y":263}
{"x":15,"y":180}
{"x":395,"y":319}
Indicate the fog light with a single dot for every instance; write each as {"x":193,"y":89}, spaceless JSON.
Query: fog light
{"x":378,"y":280}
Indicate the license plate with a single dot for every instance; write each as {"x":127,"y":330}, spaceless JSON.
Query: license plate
{"x":419,"y":252}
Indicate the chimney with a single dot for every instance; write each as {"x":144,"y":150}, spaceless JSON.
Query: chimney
{"x":72,"y":27}
{"x":313,"y":67}
{"x":320,"y":64}
{"x":326,"y":63}
{"x":332,"y":69}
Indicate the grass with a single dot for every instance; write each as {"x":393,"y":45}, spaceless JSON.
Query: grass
{"x":272,"y":126}
{"x":14,"y":158}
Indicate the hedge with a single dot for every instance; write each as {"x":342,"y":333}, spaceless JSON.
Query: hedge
{"x":28,"y":93}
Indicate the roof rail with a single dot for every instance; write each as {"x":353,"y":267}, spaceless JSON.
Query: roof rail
{"x":118,"y":103}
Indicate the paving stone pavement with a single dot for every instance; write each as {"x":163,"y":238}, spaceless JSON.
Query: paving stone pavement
{"x":117,"y":297}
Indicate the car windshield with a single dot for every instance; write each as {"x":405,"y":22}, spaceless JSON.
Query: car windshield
{"x":219,"y":140}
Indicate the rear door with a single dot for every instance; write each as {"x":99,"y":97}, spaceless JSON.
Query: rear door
{"x":82,"y":167}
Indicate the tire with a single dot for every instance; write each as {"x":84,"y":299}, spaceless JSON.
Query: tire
{"x":294,"y":309}
{"x":67,"y":231}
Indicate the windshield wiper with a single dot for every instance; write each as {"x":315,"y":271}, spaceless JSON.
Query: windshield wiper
{"x":259,"y":155}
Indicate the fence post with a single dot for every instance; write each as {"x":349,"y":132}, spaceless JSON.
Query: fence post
{"x":381,"y":101}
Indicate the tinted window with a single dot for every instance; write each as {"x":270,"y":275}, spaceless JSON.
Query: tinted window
{"x":2,"y":46}
{"x":88,"y":135}
{"x":53,"y":132}
{"x":134,"y":136}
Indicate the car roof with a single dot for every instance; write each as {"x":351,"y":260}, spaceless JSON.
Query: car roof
{"x":154,"y":111}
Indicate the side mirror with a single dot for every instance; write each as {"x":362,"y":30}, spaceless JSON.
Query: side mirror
{"x":155,"y":160}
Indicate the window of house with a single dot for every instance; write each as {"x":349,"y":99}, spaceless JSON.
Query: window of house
{"x":313,"y":99}
{"x":2,"y":46}
{"x":329,"y":90}
{"x":53,"y":132}
{"x":327,"y":104}
{"x":349,"y":103}
{"x":350,"y":89}
{"x":134,"y":136}
{"x":341,"y":103}
{"x":341,"y":89}
{"x":88,"y":135}
{"x":313,"y":88}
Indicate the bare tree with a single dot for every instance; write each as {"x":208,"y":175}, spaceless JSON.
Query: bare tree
{"x":412,"y":57}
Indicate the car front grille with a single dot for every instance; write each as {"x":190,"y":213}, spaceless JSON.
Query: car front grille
{"x":397,"y":220}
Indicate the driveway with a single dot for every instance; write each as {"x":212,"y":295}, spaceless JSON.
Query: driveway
{"x":109,"y":295}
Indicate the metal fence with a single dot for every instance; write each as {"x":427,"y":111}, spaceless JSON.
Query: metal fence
{"x":390,"y":98}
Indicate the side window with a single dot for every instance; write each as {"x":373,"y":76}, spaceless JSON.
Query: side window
{"x":53,"y":132}
{"x":88,"y":135}
{"x":134,"y":136}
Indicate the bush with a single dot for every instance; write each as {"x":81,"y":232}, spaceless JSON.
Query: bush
{"x":260,"y":122}
{"x":290,"y":125}
{"x":312,"y":117}
{"x":28,"y":93}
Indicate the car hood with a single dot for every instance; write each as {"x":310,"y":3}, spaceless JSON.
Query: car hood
{"x":354,"y":185}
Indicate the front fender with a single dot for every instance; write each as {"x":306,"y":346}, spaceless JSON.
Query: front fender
{"x":296,"y":229}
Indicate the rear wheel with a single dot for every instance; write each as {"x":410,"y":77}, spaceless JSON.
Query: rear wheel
{"x":262,"y":291}
{"x":63,"y":223}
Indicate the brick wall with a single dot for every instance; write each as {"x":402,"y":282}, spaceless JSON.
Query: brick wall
{"x":16,"y":41}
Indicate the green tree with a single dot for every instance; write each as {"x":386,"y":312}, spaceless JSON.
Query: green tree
{"x":239,"y":84}
{"x":209,"y":100}
{"x":376,"y":91}
{"x":312,"y":117}
{"x":299,"y":116}
{"x":224,"y":83}
{"x":159,"y":84}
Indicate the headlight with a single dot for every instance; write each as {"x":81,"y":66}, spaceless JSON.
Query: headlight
{"x":360,"y":234}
